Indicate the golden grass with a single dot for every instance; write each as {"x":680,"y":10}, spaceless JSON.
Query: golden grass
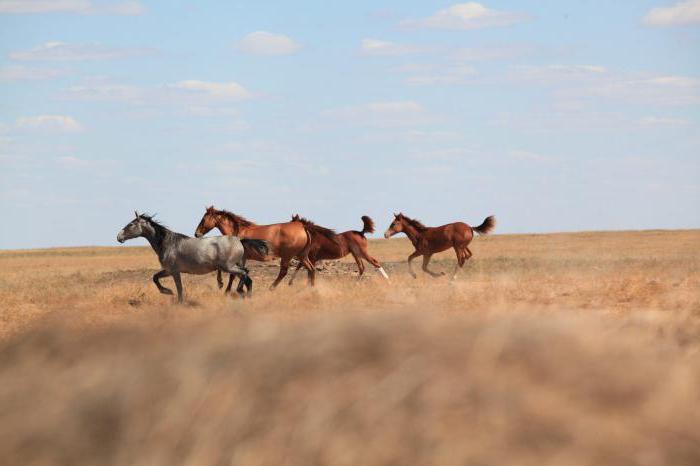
{"x":579,"y":348}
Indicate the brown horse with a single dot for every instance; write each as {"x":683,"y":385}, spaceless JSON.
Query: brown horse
{"x":285,"y":240}
{"x":431,"y":240}
{"x":325,"y":247}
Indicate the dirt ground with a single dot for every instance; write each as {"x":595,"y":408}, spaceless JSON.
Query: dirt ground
{"x":576,"y":348}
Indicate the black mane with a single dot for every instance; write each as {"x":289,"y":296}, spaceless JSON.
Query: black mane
{"x":161,"y":231}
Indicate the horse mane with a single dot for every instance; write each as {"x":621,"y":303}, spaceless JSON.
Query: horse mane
{"x":160,"y":229}
{"x":236,"y":219}
{"x":414,"y":223}
{"x":313,"y":228}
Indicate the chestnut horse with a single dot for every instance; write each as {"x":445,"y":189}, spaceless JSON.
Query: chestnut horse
{"x":324,"y":247}
{"x":431,"y":240}
{"x":286,"y":240}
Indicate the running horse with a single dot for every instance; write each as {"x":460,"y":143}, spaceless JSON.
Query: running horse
{"x":285,"y":240}
{"x":330,"y":246}
{"x":430,"y":240}
{"x":180,"y":254}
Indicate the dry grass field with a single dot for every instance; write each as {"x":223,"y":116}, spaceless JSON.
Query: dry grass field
{"x":559,"y":349}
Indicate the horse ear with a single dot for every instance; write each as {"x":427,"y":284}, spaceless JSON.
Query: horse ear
{"x":137,"y":214}
{"x":396,"y":215}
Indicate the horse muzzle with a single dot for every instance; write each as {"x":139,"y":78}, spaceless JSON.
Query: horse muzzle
{"x":120,"y":237}
{"x":198,"y":234}
{"x":387,"y":234}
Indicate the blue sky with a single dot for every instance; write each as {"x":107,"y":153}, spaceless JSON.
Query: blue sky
{"x":552,"y":115}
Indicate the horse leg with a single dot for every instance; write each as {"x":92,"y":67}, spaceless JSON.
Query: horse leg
{"x":178,"y":285}
{"x":284,"y":266}
{"x":426,"y":261}
{"x":461,"y":256}
{"x":360,"y":265}
{"x":230,"y":283}
{"x":219,"y":280}
{"x":156,"y":280}
{"x":311,"y":270}
{"x":373,"y":261}
{"x":241,"y":280}
{"x":241,"y":283}
{"x":249,"y":285}
{"x":410,"y":258}
{"x":296,"y":271}
{"x":241,"y":272}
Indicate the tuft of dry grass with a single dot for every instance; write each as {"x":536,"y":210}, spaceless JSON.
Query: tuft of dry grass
{"x":557,"y":349}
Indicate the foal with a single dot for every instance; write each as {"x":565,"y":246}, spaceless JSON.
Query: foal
{"x":337,"y":246}
{"x":179,"y":253}
{"x":430,"y":240}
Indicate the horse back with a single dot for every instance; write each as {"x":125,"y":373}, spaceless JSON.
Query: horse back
{"x":323,"y":248}
{"x":282,"y":238}
{"x":446,"y":236}
{"x":203,"y":255}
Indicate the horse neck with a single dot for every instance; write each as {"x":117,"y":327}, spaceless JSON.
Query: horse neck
{"x":413,"y":234}
{"x":227,"y":227}
{"x":158,"y":239}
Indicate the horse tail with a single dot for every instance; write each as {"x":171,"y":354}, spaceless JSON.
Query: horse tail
{"x":368,"y":226}
{"x":259,"y":246}
{"x":487,"y":226}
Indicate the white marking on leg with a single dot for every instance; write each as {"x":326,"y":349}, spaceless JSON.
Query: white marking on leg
{"x":454,"y":274}
{"x":381,"y":271}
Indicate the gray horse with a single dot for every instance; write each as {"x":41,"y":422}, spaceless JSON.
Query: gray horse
{"x":179,"y":253}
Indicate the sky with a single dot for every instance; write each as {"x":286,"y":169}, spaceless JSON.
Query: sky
{"x":552,"y":115}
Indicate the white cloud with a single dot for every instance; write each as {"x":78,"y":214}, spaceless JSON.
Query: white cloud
{"x":61,"y":51}
{"x":190,"y":98}
{"x":71,"y":161}
{"x":682,"y":13}
{"x":395,"y":106}
{"x":230,"y":90}
{"x":675,"y":81}
{"x":23,"y":73}
{"x":84,"y":7}
{"x":105,"y":91}
{"x":465,"y":16}
{"x":662,"y":90}
{"x":663,"y":121}
{"x":99,"y":167}
{"x":556,"y":73}
{"x":527,"y":155}
{"x":61,"y":123}
{"x":488,"y":53}
{"x":573,"y":83}
{"x":376,"y":47}
{"x":382,"y":114}
{"x":267,"y":43}
{"x":443,"y":74}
